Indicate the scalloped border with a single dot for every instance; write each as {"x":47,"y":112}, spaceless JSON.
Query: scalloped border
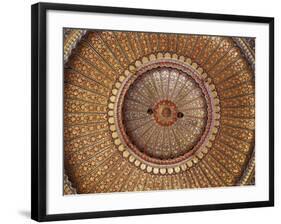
{"x":113,"y":104}
{"x":70,"y":42}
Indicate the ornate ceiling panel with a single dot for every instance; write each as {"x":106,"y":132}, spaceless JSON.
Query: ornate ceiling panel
{"x":153,"y":111}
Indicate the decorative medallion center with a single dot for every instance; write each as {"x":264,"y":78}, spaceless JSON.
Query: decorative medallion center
{"x":165,"y":113}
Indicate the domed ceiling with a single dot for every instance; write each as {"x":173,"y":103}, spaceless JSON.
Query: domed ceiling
{"x":155,"y":111}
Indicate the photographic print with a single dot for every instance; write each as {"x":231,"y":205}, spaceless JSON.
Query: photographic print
{"x":150,"y":111}
{"x":141,"y":111}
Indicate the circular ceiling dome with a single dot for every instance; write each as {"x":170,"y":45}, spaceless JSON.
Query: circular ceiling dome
{"x":154,"y":111}
{"x":164,"y":113}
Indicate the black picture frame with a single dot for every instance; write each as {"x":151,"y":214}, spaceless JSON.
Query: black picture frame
{"x":39,"y":108}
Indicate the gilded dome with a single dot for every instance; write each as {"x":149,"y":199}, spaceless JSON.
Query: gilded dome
{"x":152,"y":111}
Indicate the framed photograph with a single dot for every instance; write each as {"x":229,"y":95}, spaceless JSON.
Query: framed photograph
{"x":139,"y":111}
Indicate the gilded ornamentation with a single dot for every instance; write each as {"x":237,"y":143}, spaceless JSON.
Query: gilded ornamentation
{"x":153,"y":111}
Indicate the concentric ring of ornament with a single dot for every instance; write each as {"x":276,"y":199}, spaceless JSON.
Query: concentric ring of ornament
{"x":128,"y":150}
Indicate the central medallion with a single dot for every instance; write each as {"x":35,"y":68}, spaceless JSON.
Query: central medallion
{"x":165,"y":113}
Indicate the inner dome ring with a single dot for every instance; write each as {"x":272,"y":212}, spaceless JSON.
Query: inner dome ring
{"x":127,"y":141}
